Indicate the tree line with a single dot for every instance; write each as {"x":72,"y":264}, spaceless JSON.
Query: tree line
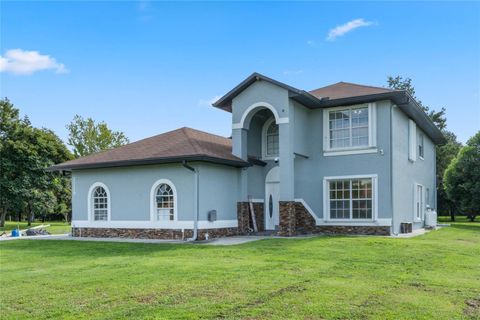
{"x":28,"y":190}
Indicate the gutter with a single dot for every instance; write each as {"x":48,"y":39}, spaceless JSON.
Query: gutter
{"x":197,"y":200}
{"x":150,"y":161}
{"x":392,"y":194}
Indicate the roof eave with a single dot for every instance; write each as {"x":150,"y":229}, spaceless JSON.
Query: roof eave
{"x":127,"y":163}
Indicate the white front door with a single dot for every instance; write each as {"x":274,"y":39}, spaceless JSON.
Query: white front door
{"x":272,"y":191}
{"x":272,"y":196}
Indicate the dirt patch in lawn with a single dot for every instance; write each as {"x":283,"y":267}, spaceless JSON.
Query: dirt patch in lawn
{"x":236,"y":310}
{"x":473,"y":307}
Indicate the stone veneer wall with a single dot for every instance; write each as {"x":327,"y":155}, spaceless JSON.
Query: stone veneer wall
{"x":168,"y":234}
{"x":243,"y":216}
{"x":295,"y":220}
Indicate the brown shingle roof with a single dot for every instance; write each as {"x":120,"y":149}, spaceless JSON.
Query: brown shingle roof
{"x":346,"y":90}
{"x":173,"y":146}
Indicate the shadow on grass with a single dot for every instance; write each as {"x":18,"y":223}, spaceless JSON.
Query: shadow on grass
{"x":92,"y":249}
{"x":474,"y":226}
{"x":97,"y":249}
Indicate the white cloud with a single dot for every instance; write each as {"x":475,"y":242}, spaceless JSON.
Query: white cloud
{"x":208,"y":102}
{"x":23,"y":62}
{"x":347,"y":27}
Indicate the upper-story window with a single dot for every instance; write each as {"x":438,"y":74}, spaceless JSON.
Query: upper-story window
{"x":349,"y":128}
{"x":421,"y":149}
{"x":270,"y":139}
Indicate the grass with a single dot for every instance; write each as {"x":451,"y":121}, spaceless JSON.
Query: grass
{"x":56,"y":227}
{"x":434,"y":276}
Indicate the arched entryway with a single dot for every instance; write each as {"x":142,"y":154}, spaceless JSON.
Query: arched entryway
{"x":272,"y":197}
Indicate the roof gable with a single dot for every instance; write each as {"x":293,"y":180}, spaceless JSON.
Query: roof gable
{"x":225,"y":102}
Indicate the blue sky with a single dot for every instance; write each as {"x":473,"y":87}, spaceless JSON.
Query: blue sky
{"x":150,"y":67}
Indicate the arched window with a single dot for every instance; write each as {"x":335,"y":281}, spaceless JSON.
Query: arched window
{"x":164,"y":203}
{"x":100,"y":204}
{"x":270,"y":139}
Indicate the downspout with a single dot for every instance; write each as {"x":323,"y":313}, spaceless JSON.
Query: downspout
{"x":392,"y":194}
{"x":435,"y":204}
{"x":197,"y":200}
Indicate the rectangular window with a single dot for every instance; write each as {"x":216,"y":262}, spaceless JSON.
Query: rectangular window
{"x":419,"y":202}
{"x":420,"y":147}
{"x":412,"y":140}
{"x":351,"y":199}
{"x":348,"y":128}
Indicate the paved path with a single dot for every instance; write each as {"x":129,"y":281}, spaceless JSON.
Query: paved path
{"x":227,"y":241}
{"x":220,"y":241}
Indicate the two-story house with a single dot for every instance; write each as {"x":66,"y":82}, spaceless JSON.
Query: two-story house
{"x":344,"y":158}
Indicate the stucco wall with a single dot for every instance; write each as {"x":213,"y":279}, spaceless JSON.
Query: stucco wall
{"x":218,"y":191}
{"x":407,"y":173}
{"x":260,"y":91}
{"x":309,"y":173}
{"x":130,"y":190}
{"x":261,"y":95}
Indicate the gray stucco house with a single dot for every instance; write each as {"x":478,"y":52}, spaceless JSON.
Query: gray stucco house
{"x":345,"y":158}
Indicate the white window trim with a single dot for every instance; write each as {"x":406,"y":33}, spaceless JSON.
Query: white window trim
{"x":415,"y":199}
{"x":321,"y":222}
{"x":326,"y":198}
{"x":153,"y":203}
{"x":264,"y":140}
{"x":372,"y":132}
{"x":412,"y":140}
{"x":91,"y":217}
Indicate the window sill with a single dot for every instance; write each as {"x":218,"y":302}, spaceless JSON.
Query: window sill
{"x":421,"y":158}
{"x":345,"y":152}
{"x":269,"y":158}
{"x":377,"y":222}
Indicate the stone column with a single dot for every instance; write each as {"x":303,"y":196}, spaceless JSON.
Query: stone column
{"x":287,"y":218}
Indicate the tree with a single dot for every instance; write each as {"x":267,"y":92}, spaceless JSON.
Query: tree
{"x":11,"y":188}
{"x":400,"y":83}
{"x":462,"y":178}
{"x":87,"y":137}
{"x":25,"y":153}
{"x":445,"y":153}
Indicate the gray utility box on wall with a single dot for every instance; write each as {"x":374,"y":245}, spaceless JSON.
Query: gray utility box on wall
{"x":212,"y":215}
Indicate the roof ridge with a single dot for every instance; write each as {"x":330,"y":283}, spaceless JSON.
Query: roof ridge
{"x":191,"y":140}
{"x":368,"y":86}
{"x":205,"y":132}
{"x":354,"y":84}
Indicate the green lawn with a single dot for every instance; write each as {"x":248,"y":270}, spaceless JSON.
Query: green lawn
{"x":56,"y":227}
{"x":435,"y":276}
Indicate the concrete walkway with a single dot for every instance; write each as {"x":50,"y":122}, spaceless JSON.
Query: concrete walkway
{"x":220,"y":241}
{"x":226,"y":241}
